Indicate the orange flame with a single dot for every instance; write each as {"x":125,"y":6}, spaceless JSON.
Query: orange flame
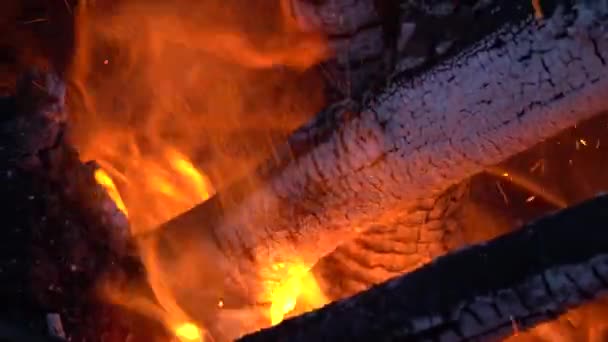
{"x":107,"y":183}
{"x":300,"y":285}
{"x":199,"y":189}
{"x":193,"y":82}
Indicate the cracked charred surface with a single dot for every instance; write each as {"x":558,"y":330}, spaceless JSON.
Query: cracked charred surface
{"x":426,"y":232}
{"x":421,"y":135}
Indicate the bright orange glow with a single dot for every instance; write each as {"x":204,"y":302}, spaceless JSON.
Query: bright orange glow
{"x":156,"y":105}
{"x":284,"y":300}
{"x":104,"y":180}
{"x":301,"y":286}
{"x":198,"y":187}
{"x":188,"y":332}
{"x":155,"y":188}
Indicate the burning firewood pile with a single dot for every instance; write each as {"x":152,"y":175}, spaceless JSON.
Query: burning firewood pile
{"x":304,"y":170}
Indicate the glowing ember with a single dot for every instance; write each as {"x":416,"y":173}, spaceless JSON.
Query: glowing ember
{"x":540,"y":163}
{"x":301,"y":285}
{"x":106,"y":181}
{"x":502,"y":192}
{"x":284,"y":302}
{"x":188,"y":332}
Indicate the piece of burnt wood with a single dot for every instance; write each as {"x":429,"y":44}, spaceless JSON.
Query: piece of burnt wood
{"x":479,"y":293}
{"x":62,"y":236}
{"x":374,"y":40}
{"x":520,"y":83}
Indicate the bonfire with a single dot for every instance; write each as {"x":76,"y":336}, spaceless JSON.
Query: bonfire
{"x":296,"y":170}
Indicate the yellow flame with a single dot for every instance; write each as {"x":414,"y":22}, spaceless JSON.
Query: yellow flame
{"x":301,"y":285}
{"x":186,"y":169}
{"x":188,"y":332}
{"x":103,"y":179}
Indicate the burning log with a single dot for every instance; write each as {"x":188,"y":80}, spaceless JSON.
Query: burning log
{"x":521,"y":82}
{"x":482,"y":292}
{"x":374,"y":40}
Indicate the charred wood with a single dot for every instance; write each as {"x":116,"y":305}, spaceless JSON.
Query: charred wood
{"x":519,"y":84}
{"x":62,"y":236}
{"x":483,"y":292}
{"x":375,"y":41}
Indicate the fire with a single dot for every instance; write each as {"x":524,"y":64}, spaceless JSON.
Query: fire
{"x":302,"y":285}
{"x":176,"y":169}
{"x":188,"y":332}
{"x":284,"y":300}
{"x":156,"y":105}
{"x":105,"y":181}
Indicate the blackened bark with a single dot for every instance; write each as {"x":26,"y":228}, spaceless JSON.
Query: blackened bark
{"x":62,"y":235}
{"x":479,"y":293}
